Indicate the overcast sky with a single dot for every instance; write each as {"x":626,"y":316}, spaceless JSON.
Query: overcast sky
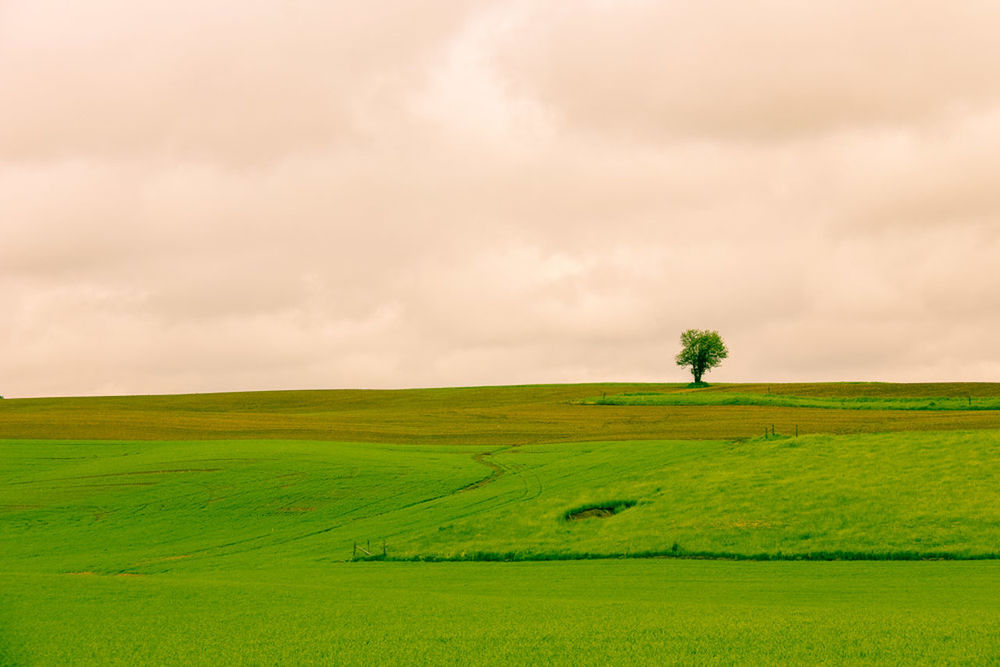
{"x":228,"y":195}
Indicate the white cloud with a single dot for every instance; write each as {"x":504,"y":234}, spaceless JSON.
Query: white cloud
{"x":228,"y":196}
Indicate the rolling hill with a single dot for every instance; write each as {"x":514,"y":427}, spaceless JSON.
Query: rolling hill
{"x":130,"y":523}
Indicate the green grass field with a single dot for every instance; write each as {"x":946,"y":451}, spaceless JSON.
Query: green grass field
{"x":235,"y":527}
{"x":569,"y":612}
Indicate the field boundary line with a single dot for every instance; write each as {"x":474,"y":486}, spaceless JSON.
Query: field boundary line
{"x":680,"y":554}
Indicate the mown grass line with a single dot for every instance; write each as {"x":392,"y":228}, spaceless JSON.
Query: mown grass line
{"x":922,"y":403}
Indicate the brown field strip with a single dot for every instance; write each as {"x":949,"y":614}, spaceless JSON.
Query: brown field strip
{"x":475,"y":415}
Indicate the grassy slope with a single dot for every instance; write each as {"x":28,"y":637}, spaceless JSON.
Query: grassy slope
{"x":472,"y":415}
{"x":159,"y":507}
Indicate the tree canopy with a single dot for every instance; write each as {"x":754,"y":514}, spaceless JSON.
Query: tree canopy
{"x":701,"y":350}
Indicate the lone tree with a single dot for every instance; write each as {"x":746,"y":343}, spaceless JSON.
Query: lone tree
{"x":702,"y":351}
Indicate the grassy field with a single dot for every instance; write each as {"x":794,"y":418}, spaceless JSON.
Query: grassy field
{"x":142,"y":507}
{"x":477,"y":415}
{"x":570,"y":612}
{"x":224,"y":535}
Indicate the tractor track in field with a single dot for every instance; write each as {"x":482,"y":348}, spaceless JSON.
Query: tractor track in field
{"x":497,"y":472}
{"x":116,"y":474}
{"x":531,"y":488}
{"x":247,"y":544}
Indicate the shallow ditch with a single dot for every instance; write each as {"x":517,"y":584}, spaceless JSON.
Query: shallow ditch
{"x":597,"y":510}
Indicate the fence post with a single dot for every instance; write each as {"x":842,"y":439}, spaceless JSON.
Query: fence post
{"x":354,"y":555}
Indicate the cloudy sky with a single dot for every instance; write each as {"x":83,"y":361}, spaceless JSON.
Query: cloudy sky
{"x":225,"y":195}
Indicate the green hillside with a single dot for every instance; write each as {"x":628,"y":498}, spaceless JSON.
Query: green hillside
{"x":151,"y":507}
{"x":229,"y":527}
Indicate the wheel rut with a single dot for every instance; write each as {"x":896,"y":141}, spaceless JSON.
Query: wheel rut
{"x":497,"y":471}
